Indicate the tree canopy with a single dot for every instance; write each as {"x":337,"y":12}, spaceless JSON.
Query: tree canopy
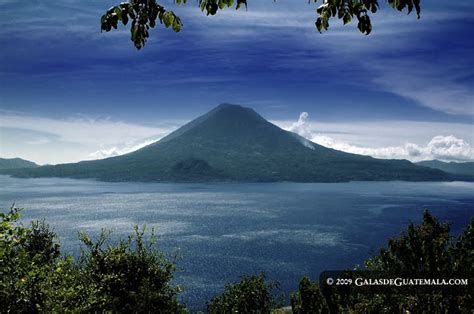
{"x":426,"y":250}
{"x":144,"y":14}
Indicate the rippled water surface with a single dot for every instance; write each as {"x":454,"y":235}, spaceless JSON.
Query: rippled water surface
{"x":224,"y":231}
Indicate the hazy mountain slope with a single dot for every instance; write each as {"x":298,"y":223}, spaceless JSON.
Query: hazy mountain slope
{"x":462,"y":168}
{"x":14,"y":163}
{"x":234,"y":143}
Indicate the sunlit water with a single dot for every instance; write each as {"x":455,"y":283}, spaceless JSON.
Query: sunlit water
{"x":224,"y":231}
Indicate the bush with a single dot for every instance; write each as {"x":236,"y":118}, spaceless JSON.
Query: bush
{"x":130,"y":276}
{"x":308,"y":299}
{"x":251,"y":295}
{"x":423,"y":250}
{"x":28,"y":257}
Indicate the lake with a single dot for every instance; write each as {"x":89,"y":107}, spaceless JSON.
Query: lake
{"x":224,"y":231}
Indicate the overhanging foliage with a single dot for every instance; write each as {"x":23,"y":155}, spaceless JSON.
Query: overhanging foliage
{"x":144,"y":14}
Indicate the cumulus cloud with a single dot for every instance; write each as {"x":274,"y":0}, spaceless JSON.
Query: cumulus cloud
{"x":443,"y":147}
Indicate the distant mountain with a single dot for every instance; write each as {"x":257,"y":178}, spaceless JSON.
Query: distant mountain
{"x":234,"y":143}
{"x":461,"y":168}
{"x":15,"y":163}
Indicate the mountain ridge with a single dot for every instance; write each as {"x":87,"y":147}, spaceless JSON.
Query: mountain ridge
{"x":459,"y":168}
{"x":15,"y":163}
{"x":235,"y":143}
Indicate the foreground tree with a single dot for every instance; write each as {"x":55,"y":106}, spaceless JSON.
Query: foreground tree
{"x":424,"y":250}
{"x":250,"y":295}
{"x":308,"y":299}
{"x":144,"y":14}
{"x":131,"y":276}
{"x":27,"y":258}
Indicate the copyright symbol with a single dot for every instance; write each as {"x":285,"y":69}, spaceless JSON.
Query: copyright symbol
{"x":329,"y":281}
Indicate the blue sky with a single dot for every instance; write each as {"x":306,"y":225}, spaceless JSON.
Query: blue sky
{"x":69,"y":92}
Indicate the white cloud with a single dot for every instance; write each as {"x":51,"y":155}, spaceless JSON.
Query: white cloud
{"x":440,"y":147}
{"x":73,"y":139}
{"x":47,"y":140}
{"x":116,"y":151}
{"x":82,"y":130}
{"x":440,"y":87}
{"x":428,"y":80}
{"x":450,"y":147}
{"x":444,"y":147}
{"x":39,"y":141}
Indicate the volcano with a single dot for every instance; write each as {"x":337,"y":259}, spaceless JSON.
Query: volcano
{"x":234,"y":143}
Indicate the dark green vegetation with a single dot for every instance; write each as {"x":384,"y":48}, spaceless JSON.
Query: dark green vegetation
{"x":132,"y":276}
{"x":15,"y":163}
{"x":461,"y":168}
{"x":144,"y":14}
{"x":250,"y":295}
{"x":234,"y":143}
{"x":423,"y":251}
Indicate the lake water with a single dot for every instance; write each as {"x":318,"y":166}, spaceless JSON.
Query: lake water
{"x":224,"y":231}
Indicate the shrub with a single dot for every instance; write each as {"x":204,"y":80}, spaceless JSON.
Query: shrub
{"x":308,"y":299}
{"x":251,"y":294}
{"x":130,"y":276}
{"x":423,"y":250}
{"x":28,"y":257}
